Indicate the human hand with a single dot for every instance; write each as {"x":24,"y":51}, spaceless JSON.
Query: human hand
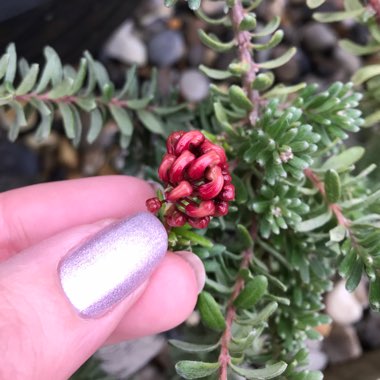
{"x":60,"y":300}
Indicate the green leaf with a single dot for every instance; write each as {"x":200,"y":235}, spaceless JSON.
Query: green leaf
{"x":281,"y":90}
{"x":79,"y":78}
{"x":272,"y":25}
{"x":307,"y":375}
{"x":345,"y":159}
{"x":355,"y":275}
{"x":273,"y":42}
{"x":351,"y":5}
{"x":332,"y":186}
{"x":372,"y":119}
{"x":194,"y":4}
{"x":263,"y":81}
{"x":68,"y":119}
{"x":210,"y":312}
{"x":96,"y":123}
{"x":248,"y":22}
{"x":4,"y":64}
{"x":44,"y":128}
{"x":215,"y":74}
{"x":214,"y":43}
{"x":194,"y":237}
{"x":240,"y":189}
{"x":314,"y":3}
{"x":244,"y":237}
{"x":86,"y":104}
{"x":195,"y":370}
{"x":122,"y":119}
{"x":52,"y":71}
{"x":29,"y":80}
{"x":193,"y":347}
{"x":274,"y":63}
{"x":211,"y":21}
{"x":337,"y":234}
{"x":252,"y":293}
{"x":314,"y":223}
{"x":19,"y":122}
{"x":151,"y":122}
{"x":12,"y":63}
{"x":239,"y":98}
{"x":163,"y":111}
{"x":138,"y":104}
{"x":365,"y":73}
{"x":356,"y":49}
{"x":337,"y":16}
{"x":269,"y":372}
{"x":62,"y":89}
{"x":43,"y":108}
{"x":374,"y":294}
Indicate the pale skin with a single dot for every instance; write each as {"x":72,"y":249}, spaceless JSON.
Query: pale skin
{"x":41,"y":335}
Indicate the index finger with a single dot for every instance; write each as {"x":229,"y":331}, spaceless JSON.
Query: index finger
{"x":34,"y":213}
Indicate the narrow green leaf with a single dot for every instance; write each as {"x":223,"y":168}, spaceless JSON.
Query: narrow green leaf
{"x":240,"y":190}
{"x":281,"y":90}
{"x":4,"y":64}
{"x":273,"y":42}
{"x":345,"y":159}
{"x":337,"y":16}
{"x":210,"y":312}
{"x":371,"y":119}
{"x":261,"y":317}
{"x":272,"y":25}
{"x":52,"y":71}
{"x":248,"y":22}
{"x":269,"y":372}
{"x":244,"y":237}
{"x":86,"y":104}
{"x":211,"y":21}
{"x":62,"y":89}
{"x":214,"y":43}
{"x":194,"y":237}
{"x":239,"y":98}
{"x":151,"y":122}
{"x":80,"y":77}
{"x":122,"y":119}
{"x":215,"y":74}
{"x":332,"y":186}
{"x":274,"y":63}
{"x":163,"y":111}
{"x":356,"y":49}
{"x":195,"y":370}
{"x":44,"y":127}
{"x":314,"y":223}
{"x":19,"y":122}
{"x":355,"y":275}
{"x":252,"y":293}
{"x":127,"y":89}
{"x":68,"y":118}
{"x":12,"y":63}
{"x":138,"y":104}
{"x":337,"y":234}
{"x":263,"y":81}
{"x":351,"y":5}
{"x":374,"y":294}
{"x":314,"y":3}
{"x":42,"y":107}
{"x":194,"y":4}
{"x":96,"y":123}
{"x":193,"y":347}
{"x":307,"y":375}
{"x":365,"y":73}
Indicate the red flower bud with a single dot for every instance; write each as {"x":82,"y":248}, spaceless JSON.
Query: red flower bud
{"x":176,"y":172}
{"x":189,"y":139}
{"x":198,"y":167}
{"x":227,"y":177}
{"x":221,"y":208}
{"x":211,"y":189}
{"x":228,"y":192}
{"x":153,"y":204}
{"x":166,"y":164}
{"x":205,"y":208}
{"x":199,"y":222}
{"x":172,"y":141}
{"x":176,"y":219}
{"x":208,"y":146}
{"x":184,"y":189}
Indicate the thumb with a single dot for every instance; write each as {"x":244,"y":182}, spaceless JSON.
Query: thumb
{"x":59,"y":303}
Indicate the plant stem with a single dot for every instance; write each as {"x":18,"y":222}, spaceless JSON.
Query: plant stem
{"x":334,"y":207}
{"x":224,"y":357}
{"x":375,"y":4}
{"x":243,"y":39}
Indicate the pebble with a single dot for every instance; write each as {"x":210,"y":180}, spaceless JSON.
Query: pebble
{"x":166,"y":48}
{"x":317,"y":37}
{"x":126,"y":46}
{"x":368,"y":330}
{"x":342,"y":306}
{"x":194,"y":85}
{"x":348,"y":64}
{"x":342,"y":344}
{"x":317,"y":358}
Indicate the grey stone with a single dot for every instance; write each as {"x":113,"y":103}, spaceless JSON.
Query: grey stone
{"x":317,"y":37}
{"x":166,"y":48}
{"x":194,"y":85}
{"x":368,"y":330}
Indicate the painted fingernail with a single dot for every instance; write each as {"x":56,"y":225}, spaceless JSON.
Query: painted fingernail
{"x":196,"y":264}
{"x":112,"y":264}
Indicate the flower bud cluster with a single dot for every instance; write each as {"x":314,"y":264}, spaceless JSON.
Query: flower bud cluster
{"x":197,"y":181}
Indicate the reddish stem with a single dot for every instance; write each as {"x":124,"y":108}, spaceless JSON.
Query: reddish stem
{"x":334,"y":207}
{"x":245,"y":55}
{"x":375,"y":4}
{"x":224,"y":356}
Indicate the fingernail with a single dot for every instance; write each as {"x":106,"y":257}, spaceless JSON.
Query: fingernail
{"x":196,"y":264}
{"x":112,"y":264}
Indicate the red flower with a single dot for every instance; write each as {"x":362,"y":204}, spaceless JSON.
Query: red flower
{"x":197,"y":180}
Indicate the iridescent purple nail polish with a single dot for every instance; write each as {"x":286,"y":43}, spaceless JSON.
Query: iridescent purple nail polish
{"x":112,"y":264}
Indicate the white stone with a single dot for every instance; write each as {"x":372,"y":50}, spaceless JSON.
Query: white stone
{"x":342,"y":306}
{"x":194,"y":85}
{"x":126,"y":46}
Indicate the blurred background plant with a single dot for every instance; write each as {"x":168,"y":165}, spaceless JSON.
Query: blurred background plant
{"x":306,"y":212}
